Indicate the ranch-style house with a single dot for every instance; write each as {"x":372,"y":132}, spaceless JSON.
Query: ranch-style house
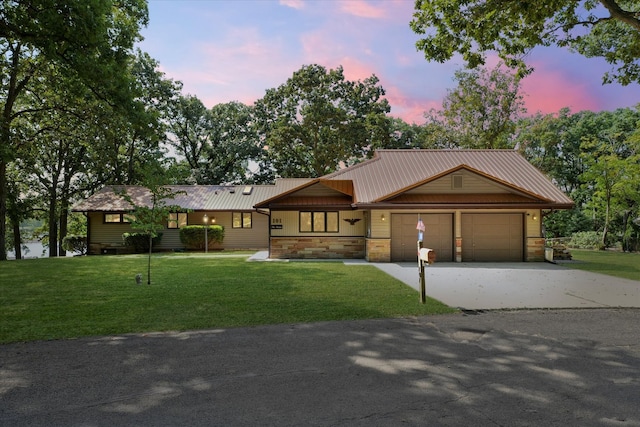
{"x":476,"y":205}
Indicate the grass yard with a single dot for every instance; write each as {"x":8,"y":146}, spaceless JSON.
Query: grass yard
{"x":43,"y":299}
{"x":619,"y":264}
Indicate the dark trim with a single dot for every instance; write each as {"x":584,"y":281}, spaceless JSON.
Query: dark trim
{"x":312,"y":212}
{"x":392,"y":206}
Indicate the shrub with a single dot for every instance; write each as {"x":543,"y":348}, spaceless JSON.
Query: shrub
{"x":140,"y":241}
{"x":192,"y":236}
{"x":73,"y":243}
{"x":586,"y":240}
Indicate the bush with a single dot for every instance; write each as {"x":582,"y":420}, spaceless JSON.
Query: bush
{"x":73,"y":243}
{"x":140,"y":241}
{"x":192,"y":236}
{"x":586,"y":240}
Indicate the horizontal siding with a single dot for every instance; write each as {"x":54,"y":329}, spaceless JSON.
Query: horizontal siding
{"x":533,"y":226}
{"x":110,"y":234}
{"x":471,"y":184}
{"x":380,"y":229}
{"x":170,"y":239}
{"x":256,"y":237}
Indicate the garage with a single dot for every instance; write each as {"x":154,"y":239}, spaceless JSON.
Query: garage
{"x":492,"y":237}
{"x":438,"y":235}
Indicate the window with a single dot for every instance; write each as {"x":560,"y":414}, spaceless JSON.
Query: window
{"x":241,"y":220}
{"x":177,"y":220}
{"x":319,"y":222}
{"x":117,"y":218}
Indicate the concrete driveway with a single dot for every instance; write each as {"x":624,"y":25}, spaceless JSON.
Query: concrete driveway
{"x":477,"y":286}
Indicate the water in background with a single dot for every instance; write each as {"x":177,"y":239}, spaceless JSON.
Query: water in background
{"x":36,"y":250}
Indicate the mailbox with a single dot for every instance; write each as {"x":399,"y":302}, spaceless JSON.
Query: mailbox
{"x":428,"y":255}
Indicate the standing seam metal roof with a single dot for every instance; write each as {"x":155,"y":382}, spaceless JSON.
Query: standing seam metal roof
{"x":392,"y":171}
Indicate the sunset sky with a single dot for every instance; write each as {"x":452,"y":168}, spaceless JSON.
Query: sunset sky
{"x":234,"y":50}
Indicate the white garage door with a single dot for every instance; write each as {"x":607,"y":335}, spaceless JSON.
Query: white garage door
{"x":492,"y":237}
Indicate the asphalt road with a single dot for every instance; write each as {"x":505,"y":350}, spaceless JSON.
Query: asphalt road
{"x":499,"y":368}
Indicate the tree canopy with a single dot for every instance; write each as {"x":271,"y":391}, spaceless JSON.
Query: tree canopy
{"x":79,"y":47}
{"x":318,"y":120}
{"x":481,"y":111}
{"x":609,"y":29}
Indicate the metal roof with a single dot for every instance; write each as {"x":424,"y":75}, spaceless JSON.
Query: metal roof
{"x":384,"y":181}
{"x":392,"y":172}
{"x":191,"y":197}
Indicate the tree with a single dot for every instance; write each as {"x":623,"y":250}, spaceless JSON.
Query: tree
{"x":408,"y":136}
{"x":482,"y":111}
{"x":318,"y":120}
{"x":612,"y":171}
{"x":606,"y":28}
{"x":189,"y":125}
{"x":149,"y":218}
{"x":66,"y":142}
{"x":89,"y":40}
{"x":216,"y":144}
{"x":233,"y":143}
{"x":551,"y":143}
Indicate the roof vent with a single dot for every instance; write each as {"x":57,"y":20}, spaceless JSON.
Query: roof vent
{"x":456,"y":181}
{"x":247,"y":190}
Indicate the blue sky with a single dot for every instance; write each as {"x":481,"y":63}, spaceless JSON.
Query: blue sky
{"x":234,"y":50}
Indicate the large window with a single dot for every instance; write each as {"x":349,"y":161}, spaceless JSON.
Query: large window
{"x":118,"y":218}
{"x":318,"y":222}
{"x":177,"y":220}
{"x":241,"y":219}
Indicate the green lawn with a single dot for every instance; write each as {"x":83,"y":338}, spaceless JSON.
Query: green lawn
{"x":85,"y":296}
{"x":619,"y":264}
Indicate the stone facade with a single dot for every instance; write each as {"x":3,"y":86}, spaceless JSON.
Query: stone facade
{"x":317,"y":248}
{"x":535,"y":249}
{"x":379,"y":250}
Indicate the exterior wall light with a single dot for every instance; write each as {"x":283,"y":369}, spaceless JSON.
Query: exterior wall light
{"x":205,"y":220}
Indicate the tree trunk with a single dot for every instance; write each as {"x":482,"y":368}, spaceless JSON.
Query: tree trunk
{"x":17,"y":244}
{"x":3,"y":210}
{"x":149,"y":263}
{"x":53,"y":225}
{"x":64,"y":217}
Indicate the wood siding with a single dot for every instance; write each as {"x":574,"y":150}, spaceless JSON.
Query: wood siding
{"x":256,"y":237}
{"x":471,"y":184}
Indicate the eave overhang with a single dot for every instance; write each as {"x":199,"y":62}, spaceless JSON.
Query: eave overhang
{"x":457,"y":206}
{"x":289,"y":200}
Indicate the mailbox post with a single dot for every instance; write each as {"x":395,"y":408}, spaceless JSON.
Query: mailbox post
{"x":428,"y":256}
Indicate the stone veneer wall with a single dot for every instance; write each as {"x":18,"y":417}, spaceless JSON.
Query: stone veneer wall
{"x":535,"y":249}
{"x":317,"y":248}
{"x":379,"y":250}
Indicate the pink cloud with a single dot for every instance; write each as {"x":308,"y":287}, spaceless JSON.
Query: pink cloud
{"x":408,"y":108}
{"x":361,"y":9}
{"x":549,"y":91}
{"x":295,"y":4}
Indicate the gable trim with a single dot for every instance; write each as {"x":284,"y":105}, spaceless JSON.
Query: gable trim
{"x":344,"y":187}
